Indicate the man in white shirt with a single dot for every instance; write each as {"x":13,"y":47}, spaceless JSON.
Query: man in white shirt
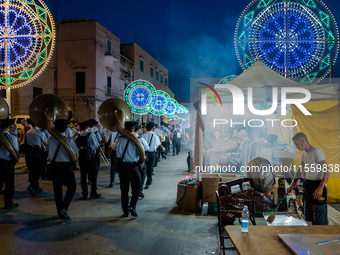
{"x":314,"y":169}
{"x":153,"y":142}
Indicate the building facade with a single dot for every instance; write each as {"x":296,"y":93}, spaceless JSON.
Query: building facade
{"x":89,"y":66}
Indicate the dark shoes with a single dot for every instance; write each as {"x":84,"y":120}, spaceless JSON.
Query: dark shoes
{"x":31,"y":191}
{"x":84,"y":195}
{"x":11,"y":206}
{"x":126,"y":213}
{"x":111,"y":185}
{"x":141,"y":194}
{"x":174,"y":154}
{"x":63,"y":214}
{"x":133,"y":212}
{"x":39,"y":190}
{"x":146,"y":187}
{"x":95,"y":195}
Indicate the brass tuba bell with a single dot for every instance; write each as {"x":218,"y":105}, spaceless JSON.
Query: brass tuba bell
{"x":44,"y":110}
{"x":4,"y":113}
{"x":112,"y":115}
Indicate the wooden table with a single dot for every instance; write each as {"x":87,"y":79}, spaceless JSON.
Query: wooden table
{"x":263,"y":240}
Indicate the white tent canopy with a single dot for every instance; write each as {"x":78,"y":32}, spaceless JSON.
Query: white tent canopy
{"x":262,"y":79}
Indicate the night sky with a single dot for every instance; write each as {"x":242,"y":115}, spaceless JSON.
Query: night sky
{"x":192,"y":39}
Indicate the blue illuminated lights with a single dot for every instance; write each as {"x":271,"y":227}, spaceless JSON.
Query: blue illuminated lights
{"x":160,"y":103}
{"x":139,"y":95}
{"x":24,"y":43}
{"x":171,"y":108}
{"x":296,"y":38}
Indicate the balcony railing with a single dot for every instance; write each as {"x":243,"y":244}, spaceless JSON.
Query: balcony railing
{"x":112,"y":54}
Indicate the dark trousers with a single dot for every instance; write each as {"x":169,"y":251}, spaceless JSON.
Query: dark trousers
{"x":43,"y":164}
{"x":28,"y":164}
{"x":37,"y":165}
{"x":62,"y":171}
{"x":150,"y":164}
{"x":176,"y":146}
{"x":88,"y":169}
{"x":142,"y":172}
{"x":113,"y":162}
{"x":7,"y":176}
{"x":158,"y":155}
{"x":129,"y":174}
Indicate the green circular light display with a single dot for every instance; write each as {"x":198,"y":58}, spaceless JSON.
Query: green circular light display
{"x":139,"y":95}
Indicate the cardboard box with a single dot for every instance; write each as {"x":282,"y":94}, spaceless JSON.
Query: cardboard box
{"x":209,"y":194}
{"x":210,"y":180}
{"x":188,"y":197}
{"x":209,"y":186}
{"x":228,"y":177}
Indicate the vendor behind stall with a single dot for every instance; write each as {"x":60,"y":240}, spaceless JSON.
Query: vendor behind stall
{"x":315,"y":172}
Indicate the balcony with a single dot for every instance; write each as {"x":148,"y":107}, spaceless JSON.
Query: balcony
{"x":112,"y":55}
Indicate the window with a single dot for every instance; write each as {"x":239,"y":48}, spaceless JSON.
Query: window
{"x":36,"y":92}
{"x":141,"y":65}
{"x":151,"y":72}
{"x":108,"y":47}
{"x":108,"y":85}
{"x":166,"y":81}
{"x":156,"y":75}
{"x":161,"y":77}
{"x":80,"y":82}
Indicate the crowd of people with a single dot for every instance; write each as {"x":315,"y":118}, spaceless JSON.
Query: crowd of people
{"x":46,"y":157}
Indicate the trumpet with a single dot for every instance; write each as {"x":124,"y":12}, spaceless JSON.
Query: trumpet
{"x":103,"y":157}
{"x":163,"y":138}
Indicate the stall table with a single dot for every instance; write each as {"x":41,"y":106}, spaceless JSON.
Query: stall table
{"x":264,"y":240}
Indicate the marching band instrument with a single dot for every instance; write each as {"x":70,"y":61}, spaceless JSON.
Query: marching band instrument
{"x":103,"y":157}
{"x":4,"y":113}
{"x":112,"y":115}
{"x":44,"y":110}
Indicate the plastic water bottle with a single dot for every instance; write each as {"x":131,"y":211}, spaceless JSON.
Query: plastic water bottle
{"x":245,"y":220}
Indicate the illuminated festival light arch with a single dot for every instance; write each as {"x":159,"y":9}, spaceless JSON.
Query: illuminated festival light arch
{"x":227,"y":79}
{"x":171,"y":108}
{"x":296,"y":38}
{"x":27,"y":36}
{"x":160,"y":103}
{"x":139,"y":95}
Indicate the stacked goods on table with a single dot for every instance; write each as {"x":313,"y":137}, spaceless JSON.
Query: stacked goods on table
{"x":188,"y":195}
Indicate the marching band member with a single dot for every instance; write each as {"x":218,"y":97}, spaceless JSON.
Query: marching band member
{"x":87,"y":144}
{"x":110,"y":139}
{"x":129,"y":173}
{"x":153,"y":142}
{"x":62,"y":169}
{"x":7,"y":165}
{"x":36,"y":137}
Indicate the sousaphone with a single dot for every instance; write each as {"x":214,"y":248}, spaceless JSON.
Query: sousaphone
{"x":112,"y":115}
{"x":4,"y":113}
{"x":44,"y":111}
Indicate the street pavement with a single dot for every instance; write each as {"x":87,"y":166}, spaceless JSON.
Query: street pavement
{"x":97,"y":225}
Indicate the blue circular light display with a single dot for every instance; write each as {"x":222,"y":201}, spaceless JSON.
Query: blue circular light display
{"x":26,"y":41}
{"x":296,"y":38}
{"x":139,"y":95}
{"x":171,"y":108}
{"x":160,"y":103}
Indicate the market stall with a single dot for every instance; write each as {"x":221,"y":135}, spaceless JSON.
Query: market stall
{"x":235,"y":145}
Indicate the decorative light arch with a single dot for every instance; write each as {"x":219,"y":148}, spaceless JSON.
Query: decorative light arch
{"x":296,"y":38}
{"x":171,"y":108}
{"x":139,"y":95}
{"x":159,"y":104}
{"x":27,"y":36}
{"x":227,"y":79}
